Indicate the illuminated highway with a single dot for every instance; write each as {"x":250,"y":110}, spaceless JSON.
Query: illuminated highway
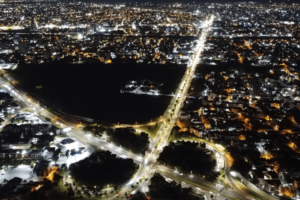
{"x":200,"y":184}
{"x":76,"y":133}
{"x":147,"y":169}
{"x":259,"y":194}
{"x":148,"y":165}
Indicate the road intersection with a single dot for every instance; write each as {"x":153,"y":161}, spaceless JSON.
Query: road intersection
{"x":148,"y":164}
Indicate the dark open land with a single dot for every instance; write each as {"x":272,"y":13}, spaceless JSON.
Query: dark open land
{"x":93,"y":90}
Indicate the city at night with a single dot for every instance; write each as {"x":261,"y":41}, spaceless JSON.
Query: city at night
{"x":149,"y":100}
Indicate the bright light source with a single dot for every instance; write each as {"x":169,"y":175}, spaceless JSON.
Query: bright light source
{"x":79,"y":36}
{"x":233,"y":173}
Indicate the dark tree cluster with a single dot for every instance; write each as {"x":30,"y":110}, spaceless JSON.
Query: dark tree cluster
{"x":241,"y":166}
{"x":239,"y":163}
{"x":187,"y":157}
{"x":17,"y":186}
{"x":160,"y":189}
{"x":127,"y":138}
{"x":94,"y":129}
{"x":7,"y":190}
{"x":46,"y":192}
{"x":288,"y":160}
{"x":103,"y":168}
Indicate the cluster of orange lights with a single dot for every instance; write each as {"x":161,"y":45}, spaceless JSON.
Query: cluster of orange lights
{"x":266,"y":117}
{"x":242,"y":118}
{"x":276,"y":168}
{"x":200,"y":111}
{"x":266,"y":156}
{"x":207,"y":76}
{"x":242,"y":137}
{"x":287,"y":192}
{"x":276,"y":105}
{"x":108,"y":61}
{"x":253,"y":105}
{"x":287,"y":131}
{"x":247,"y":44}
{"x":130,"y":31}
{"x":50,"y":176}
{"x":261,"y":131}
{"x":228,"y":98}
{"x":285,"y":67}
{"x":36,"y":188}
{"x":229,"y":90}
{"x":293,"y":146}
{"x":155,"y":56}
{"x":276,"y":127}
{"x":182,"y":125}
{"x":241,"y":58}
{"x":205,"y":122}
{"x":293,"y":120}
{"x":53,"y":170}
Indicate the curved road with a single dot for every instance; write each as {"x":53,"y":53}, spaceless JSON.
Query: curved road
{"x":148,"y":164}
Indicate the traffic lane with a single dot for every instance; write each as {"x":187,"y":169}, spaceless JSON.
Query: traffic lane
{"x":92,"y":140}
{"x":81,"y":137}
{"x":189,"y":177}
{"x":228,"y":193}
{"x":183,"y":90}
{"x":227,"y":169}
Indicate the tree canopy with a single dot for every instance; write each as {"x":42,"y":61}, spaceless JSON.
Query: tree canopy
{"x":187,"y":157}
{"x":160,"y":189}
{"x":103,"y":168}
{"x":129,"y":139}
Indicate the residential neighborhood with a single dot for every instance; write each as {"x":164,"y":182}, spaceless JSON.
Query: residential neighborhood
{"x":235,"y":106}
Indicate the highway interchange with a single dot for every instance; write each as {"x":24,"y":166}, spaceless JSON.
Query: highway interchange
{"x":148,"y":164}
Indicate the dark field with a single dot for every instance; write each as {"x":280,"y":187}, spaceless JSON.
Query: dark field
{"x":93,"y":91}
